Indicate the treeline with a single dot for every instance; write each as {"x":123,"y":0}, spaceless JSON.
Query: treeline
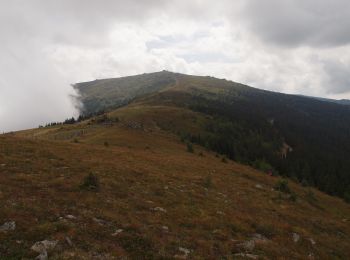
{"x":252,"y":128}
{"x":72,"y":120}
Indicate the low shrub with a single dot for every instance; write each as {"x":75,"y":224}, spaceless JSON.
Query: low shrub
{"x":282,"y":186}
{"x":190,"y":148}
{"x":208,"y":182}
{"x":91,"y":183}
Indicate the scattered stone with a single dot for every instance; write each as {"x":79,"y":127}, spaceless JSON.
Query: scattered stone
{"x":71,"y":217}
{"x":45,"y":245}
{"x":117,"y":232}
{"x":220,"y":212}
{"x":222,"y":194}
{"x":165,"y":228}
{"x":248,"y":245}
{"x":42,"y":247}
{"x":259,"y":238}
{"x":160,"y":209}
{"x":3,"y":165}
{"x":101,"y":222}
{"x":8,"y":226}
{"x":251,"y":256}
{"x":296,"y":237}
{"x":42,"y":256}
{"x":185,"y":252}
{"x":313,"y":242}
{"x":259,"y":186}
{"x":69,"y":241}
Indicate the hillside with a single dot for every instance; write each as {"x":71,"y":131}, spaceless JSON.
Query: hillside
{"x":300,"y":137}
{"x":103,"y":94}
{"x":155,"y":199}
{"x":152,"y":177}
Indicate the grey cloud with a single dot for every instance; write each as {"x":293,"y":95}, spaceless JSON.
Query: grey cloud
{"x":292,"y":23}
{"x":47,"y":45}
{"x":70,"y":22}
{"x":337,"y":76}
{"x":207,"y":57}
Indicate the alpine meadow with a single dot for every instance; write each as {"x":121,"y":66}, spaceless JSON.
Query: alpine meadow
{"x":174,"y":129}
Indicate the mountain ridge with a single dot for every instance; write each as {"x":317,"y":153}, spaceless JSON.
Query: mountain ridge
{"x":154,"y":179}
{"x":146,"y":77}
{"x":251,"y":125}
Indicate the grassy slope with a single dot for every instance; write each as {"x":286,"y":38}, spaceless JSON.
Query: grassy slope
{"x":211,"y":206}
{"x":100,"y":94}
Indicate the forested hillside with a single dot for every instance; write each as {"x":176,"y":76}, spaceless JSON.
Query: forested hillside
{"x":304,"y":138}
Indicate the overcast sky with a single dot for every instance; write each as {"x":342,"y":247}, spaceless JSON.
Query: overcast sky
{"x":292,"y":46}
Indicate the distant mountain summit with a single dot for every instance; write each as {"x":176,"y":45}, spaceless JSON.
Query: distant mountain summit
{"x":249,"y":125}
{"x":104,"y":94}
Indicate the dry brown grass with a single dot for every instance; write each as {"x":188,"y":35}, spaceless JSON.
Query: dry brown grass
{"x":211,"y":206}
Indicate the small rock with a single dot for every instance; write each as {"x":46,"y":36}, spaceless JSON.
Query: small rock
{"x":259,"y":238}
{"x":3,"y":165}
{"x":165,"y":228}
{"x":313,"y":242}
{"x":117,"y":232}
{"x":42,"y":256}
{"x":101,"y":222}
{"x":222,"y":194}
{"x":248,"y":245}
{"x":42,"y":247}
{"x":8,"y":226}
{"x":259,"y":186}
{"x":69,"y":241}
{"x":160,"y":209}
{"x":185,"y":252}
{"x":220,"y":212}
{"x":45,"y":245}
{"x":296,"y":237}
{"x":71,"y":217}
{"x":251,"y":256}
